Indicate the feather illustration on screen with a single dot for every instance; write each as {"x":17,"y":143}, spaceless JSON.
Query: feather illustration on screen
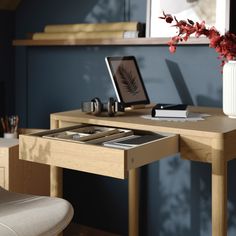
{"x":128,"y":80}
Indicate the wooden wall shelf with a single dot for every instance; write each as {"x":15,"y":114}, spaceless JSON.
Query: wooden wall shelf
{"x":9,"y":4}
{"x":105,"y":42}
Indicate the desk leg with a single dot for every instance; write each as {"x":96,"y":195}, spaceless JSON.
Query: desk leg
{"x":134,"y":202}
{"x":219,"y":190}
{"x":55,"y":172}
{"x":56,"y":181}
{"x":56,"y":186}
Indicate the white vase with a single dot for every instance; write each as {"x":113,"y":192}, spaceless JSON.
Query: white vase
{"x":229,"y":89}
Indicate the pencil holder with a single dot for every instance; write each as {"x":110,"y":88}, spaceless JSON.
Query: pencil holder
{"x":10,"y":126}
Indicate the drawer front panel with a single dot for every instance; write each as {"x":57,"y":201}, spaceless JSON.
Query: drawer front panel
{"x":83,"y":157}
{"x":91,"y":158}
{"x":152,"y":151}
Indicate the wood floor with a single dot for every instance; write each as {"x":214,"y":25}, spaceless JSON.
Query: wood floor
{"x":81,"y":230}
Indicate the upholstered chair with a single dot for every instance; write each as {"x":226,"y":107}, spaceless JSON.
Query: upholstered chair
{"x":30,"y":215}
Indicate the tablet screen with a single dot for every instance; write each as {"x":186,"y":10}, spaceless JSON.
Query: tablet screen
{"x":127,"y":80}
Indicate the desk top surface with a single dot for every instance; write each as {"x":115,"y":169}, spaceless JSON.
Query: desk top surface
{"x":214,"y":125}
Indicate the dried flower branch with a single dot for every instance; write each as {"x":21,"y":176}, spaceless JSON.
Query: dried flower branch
{"x":225,"y":45}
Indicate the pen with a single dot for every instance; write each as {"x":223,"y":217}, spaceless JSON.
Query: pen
{"x":6,"y":124}
{"x":3,"y":125}
{"x":16,"y":119}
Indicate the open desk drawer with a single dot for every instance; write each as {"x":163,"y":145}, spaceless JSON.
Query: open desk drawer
{"x":63,"y":148}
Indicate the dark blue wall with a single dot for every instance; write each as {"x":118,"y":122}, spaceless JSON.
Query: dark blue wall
{"x":7,"y":88}
{"x":175,"y":194}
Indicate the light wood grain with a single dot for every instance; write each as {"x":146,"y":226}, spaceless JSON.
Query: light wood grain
{"x":212,"y":126}
{"x":4,"y":164}
{"x":152,"y":151}
{"x":56,"y":173}
{"x":74,"y":156}
{"x":2,"y":176}
{"x":63,"y":124}
{"x":195,"y":137}
{"x":195,"y":148}
{"x":219,"y":189}
{"x":104,"y":42}
{"x":21,"y":176}
{"x":134,"y":202}
{"x":111,"y":162}
{"x":229,"y":148}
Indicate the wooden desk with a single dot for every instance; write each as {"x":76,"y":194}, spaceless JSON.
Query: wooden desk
{"x":210,"y":141}
{"x":20,"y":176}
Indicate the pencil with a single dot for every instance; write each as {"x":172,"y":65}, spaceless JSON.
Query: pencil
{"x":3,"y":125}
{"x":16,"y":123}
{"x":6,"y":123}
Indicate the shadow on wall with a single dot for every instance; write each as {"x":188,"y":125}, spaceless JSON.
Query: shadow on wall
{"x":176,"y":198}
{"x":206,"y":101}
{"x":183,"y":91}
{"x":179,"y":82}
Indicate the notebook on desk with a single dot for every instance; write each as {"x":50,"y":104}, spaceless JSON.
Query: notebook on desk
{"x":170,"y":110}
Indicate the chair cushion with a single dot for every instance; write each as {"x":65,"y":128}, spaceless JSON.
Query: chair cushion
{"x":28,"y":215}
